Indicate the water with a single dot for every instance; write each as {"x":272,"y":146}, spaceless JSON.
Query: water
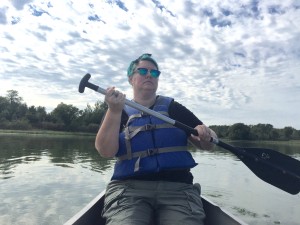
{"x":47,"y":179}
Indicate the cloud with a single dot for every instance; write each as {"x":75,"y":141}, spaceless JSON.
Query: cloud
{"x":19,"y":4}
{"x":3,"y":19}
{"x":228,"y":61}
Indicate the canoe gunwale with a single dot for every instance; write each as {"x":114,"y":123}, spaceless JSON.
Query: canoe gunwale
{"x":78,"y":216}
{"x":212,"y":211}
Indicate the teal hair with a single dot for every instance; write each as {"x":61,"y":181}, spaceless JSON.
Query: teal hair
{"x":133,"y":64}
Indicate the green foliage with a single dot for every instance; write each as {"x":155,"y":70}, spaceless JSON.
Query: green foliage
{"x":65,"y":114}
{"x":262,"y":131}
{"x":221,"y":130}
{"x":16,"y":125}
{"x":36,"y":115}
{"x":93,"y":115}
{"x":239,"y":131}
{"x":14,"y":114}
{"x":287,"y":132}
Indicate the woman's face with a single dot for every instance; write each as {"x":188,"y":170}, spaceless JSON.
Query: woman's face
{"x":145,"y":83}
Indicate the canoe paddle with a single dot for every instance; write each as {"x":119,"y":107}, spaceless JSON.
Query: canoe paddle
{"x":273,"y":167}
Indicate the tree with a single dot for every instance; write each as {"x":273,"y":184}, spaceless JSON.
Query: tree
{"x":41,"y":113}
{"x":36,"y":115}
{"x":287,"y":132}
{"x":296,"y":134}
{"x":275,"y":134}
{"x":239,"y":131}
{"x":16,"y":109}
{"x":13,"y":97}
{"x":4,"y":107}
{"x":221,"y":131}
{"x":65,"y":114}
{"x":262,"y":131}
{"x":93,"y":114}
{"x":31,"y":115}
{"x":99,"y":111}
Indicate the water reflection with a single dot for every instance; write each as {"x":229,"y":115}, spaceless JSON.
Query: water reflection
{"x":63,"y":151}
{"x":41,"y":175}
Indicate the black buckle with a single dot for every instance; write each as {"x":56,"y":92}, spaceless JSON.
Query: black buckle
{"x":150,"y":126}
{"x":152,"y":151}
{"x":144,"y":114}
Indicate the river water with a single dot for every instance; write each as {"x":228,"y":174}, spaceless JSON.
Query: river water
{"x":47,"y":179}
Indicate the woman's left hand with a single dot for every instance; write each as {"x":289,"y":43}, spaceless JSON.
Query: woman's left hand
{"x":204,"y":133}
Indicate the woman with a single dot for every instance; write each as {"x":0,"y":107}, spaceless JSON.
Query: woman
{"x":152,"y":182}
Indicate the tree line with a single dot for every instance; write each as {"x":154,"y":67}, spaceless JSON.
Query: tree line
{"x":16,"y":115}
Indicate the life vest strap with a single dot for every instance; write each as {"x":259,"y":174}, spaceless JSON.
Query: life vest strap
{"x":130,"y":132}
{"x":141,"y":114}
{"x":152,"y":152}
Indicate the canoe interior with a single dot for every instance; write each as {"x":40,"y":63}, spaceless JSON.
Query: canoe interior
{"x":91,"y":214}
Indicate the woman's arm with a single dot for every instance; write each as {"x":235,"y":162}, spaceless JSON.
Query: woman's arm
{"x":107,"y":139}
{"x":180,"y":113}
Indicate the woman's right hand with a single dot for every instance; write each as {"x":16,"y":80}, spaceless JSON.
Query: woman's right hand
{"x":115,"y":99}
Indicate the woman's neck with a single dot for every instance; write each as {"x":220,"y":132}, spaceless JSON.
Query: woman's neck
{"x":146,"y":101}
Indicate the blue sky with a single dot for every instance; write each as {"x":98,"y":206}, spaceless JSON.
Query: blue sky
{"x":227,"y":61}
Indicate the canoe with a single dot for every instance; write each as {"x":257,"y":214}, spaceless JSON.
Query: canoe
{"x":91,"y":214}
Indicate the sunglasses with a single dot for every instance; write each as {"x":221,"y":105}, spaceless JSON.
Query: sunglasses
{"x":144,"y":71}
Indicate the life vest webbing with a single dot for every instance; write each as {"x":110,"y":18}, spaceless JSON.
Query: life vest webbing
{"x":134,"y":130}
{"x":141,"y":114}
{"x":129,"y":134}
{"x":154,"y":151}
{"x":151,"y":152}
{"x":137,"y":115}
{"x":127,"y":143}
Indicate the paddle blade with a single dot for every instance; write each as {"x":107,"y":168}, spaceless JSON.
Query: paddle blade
{"x":273,"y":167}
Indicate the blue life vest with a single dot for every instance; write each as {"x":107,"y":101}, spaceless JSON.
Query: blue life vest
{"x":150,"y":145}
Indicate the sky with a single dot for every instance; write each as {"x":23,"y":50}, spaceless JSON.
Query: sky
{"x":227,"y":61}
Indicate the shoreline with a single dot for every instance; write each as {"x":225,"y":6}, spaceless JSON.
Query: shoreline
{"x":43,"y":132}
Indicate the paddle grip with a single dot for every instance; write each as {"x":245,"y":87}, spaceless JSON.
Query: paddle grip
{"x":85,"y":83}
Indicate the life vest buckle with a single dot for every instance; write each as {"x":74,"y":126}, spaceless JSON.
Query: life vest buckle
{"x":144,"y":114}
{"x":152,"y":151}
{"x":150,"y":126}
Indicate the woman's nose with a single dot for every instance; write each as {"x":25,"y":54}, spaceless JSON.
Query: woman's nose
{"x":148,"y":74}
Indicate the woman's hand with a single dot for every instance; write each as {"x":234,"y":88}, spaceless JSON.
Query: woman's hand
{"x":204,"y":133}
{"x":115,"y":99}
{"x":202,"y":141}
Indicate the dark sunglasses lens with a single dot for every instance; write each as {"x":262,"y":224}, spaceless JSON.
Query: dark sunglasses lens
{"x":143,"y":71}
{"x":154,"y":73}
